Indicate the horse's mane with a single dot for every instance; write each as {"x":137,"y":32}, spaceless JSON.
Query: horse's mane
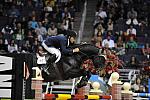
{"x":87,"y":48}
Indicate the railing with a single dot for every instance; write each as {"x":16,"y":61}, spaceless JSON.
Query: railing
{"x":82,"y":23}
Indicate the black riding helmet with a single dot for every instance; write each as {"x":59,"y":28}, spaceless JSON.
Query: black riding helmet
{"x":71,"y":33}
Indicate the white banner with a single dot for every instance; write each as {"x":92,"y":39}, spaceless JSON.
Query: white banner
{"x":5,"y":87}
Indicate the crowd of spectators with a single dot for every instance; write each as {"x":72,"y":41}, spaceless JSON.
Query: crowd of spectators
{"x":140,"y":84}
{"x":26,"y":23}
{"x":121,"y":30}
{"x":120,"y":26}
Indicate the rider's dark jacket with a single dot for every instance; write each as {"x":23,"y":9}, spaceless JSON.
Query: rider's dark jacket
{"x":59,"y":42}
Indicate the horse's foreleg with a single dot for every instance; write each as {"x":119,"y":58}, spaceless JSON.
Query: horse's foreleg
{"x":84,"y":79}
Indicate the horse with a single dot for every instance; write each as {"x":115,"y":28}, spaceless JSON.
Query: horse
{"x":69,"y":66}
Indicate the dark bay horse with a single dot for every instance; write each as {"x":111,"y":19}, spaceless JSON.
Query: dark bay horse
{"x":69,"y":66}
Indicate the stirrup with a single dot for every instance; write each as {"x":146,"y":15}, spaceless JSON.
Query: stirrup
{"x":47,"y":72}
{"x":45,"y":69}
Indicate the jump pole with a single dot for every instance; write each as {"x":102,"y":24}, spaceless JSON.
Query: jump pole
{"x":75,"y":97}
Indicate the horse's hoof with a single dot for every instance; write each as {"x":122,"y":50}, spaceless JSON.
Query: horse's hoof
{"x":79,"y":85}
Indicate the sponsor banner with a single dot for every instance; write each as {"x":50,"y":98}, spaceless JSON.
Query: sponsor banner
{"x":5,"y":76}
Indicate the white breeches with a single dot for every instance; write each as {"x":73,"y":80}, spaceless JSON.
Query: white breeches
{"x":53,"y":50}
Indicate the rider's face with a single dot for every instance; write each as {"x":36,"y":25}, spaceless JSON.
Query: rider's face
{"x":72,"y":39}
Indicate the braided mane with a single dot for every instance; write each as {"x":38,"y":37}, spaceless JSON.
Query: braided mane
{"x":89,"y":49}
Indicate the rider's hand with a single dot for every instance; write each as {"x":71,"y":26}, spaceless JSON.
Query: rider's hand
{"x":76,"y":50}
{"x":41,"y":53}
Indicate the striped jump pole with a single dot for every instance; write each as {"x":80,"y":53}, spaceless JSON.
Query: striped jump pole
{"x":75,"y":97}
{"x":141,"y":94}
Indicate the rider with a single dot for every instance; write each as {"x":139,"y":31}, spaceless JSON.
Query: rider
{"x":57,"y":45}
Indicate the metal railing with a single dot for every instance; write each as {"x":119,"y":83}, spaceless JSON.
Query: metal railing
{"x":82,"y":23}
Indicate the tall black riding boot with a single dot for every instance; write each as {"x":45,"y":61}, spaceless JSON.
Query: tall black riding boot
{"x":51,"y":59}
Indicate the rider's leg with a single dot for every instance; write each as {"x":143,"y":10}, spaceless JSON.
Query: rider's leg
{"x":52,"y":58}
{"x":55,"y":52}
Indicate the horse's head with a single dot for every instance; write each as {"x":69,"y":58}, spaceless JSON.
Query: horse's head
{"x":92,"y":52}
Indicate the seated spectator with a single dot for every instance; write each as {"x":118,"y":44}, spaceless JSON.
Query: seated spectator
{"x":138,"y":87}
{"x":41,"y":30}
{"x":32,"y":13}
{"x":19,"y":35}
{"x":98,"y":20}
{"x":2,"y":46}
{"x":26,"y":48}
{"x":109,"y":33}
{"x":98,"y":42}
{"x":132,"y":17}
{"x":108,"y":41}
{"x":110,"y":25}
{"x":33,"y":24}
{"x":66,"y":13}
{"x":52,"y":30}
{"x":99,"y":30}
{"x":30,"y":37}
{"x":7,"y":32}
{"x":133,"y":63}
{"x":13,"y":12}
{"x":72,"y":11}
{"x":119,"y":46}
{"x":125,"y":37}
{"x":102,"y":13}
{"x":141,"y":89}
{"x":12,"y":47}
{"x":67,"y":23}
{"x":46,"y":23}
{"x":146,"y":50}
{"x":120,"y":43}
{"x":61,"y":29}
{"x":106,"y":50}
{"x":131,"y":31}
{"x":39,"y":37}
{"x":131,"y":44}
{"x":35,"y":46}
{"x":48,"y":8}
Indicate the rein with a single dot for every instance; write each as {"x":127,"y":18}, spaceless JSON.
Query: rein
{"x":84,"y":54}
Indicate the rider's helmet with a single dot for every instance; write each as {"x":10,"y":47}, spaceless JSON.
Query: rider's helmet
{"x":71,"y":33}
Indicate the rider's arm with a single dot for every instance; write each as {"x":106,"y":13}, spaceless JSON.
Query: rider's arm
{"x":64,"y":48}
